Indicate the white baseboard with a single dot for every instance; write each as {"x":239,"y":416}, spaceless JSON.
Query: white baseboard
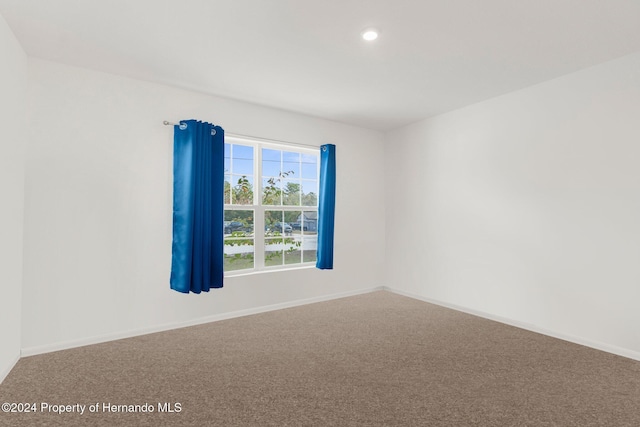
{"x":5,"y":372}
{"x":48,"y":348}
{"x":620,"y":351}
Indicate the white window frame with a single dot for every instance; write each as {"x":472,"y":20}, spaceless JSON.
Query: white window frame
{"x":259,"y":209}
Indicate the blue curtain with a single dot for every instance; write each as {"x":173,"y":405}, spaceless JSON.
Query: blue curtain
{"x":198,"y":207}
{"x":326,"y":206}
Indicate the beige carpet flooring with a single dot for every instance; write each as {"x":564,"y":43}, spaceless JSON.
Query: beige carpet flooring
{"x":376,"y":359}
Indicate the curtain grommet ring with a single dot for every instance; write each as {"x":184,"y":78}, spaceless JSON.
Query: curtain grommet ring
{"x":182,"y":126}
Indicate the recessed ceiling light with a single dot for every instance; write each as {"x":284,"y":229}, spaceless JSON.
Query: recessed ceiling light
{"x":370,"y":34}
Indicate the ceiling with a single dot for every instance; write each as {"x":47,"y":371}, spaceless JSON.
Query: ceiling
{"x":432,"y":56}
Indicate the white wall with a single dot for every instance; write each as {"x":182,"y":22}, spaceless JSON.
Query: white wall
{"x":98,"y":207}
{"x":13,"y":88}
{"x":527,"y":206}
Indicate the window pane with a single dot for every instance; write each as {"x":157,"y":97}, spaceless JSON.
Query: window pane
{"x":238,"y":240}
{"x":274,"y":224}
{"x":242,"y":166}
{"x":309,"y":236}
{"x":242,"y":151}
{"x":291,"y":193}
{"x":271,"y":191}
{"x":238,"y":261}
{"x":271,"y":155}
{"x":290,"y":156}
{"x":271,"y":163}
{"x":291,"y":164}
{"x":309,"y":193}
{"x":293,"y":255}
{"x":291,"y":170}
{"x":290,"y":217}
{"x":309,"y":166}
{"x":309,"y":248}
{"x":242,"y":193}
{"x":273,"y":252}
{"x":271,"y":169}
{"x":242,"y":160}
{"x":309,"y":222}
{"x":293,"y":245}
{"x":273,"y":243}
{"x":227,"y":189}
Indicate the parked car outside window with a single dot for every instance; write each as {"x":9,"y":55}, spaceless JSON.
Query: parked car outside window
{"x":282,"y":227}
{"x":231,"y":226}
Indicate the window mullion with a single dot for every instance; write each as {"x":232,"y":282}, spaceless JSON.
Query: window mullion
{"x":258,"y":218}
{"x":231,"y":200}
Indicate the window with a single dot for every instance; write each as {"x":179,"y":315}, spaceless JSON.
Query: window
{"x":271,"y":206}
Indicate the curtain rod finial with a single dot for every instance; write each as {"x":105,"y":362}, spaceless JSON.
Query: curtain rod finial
{"x":182,"y":125}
